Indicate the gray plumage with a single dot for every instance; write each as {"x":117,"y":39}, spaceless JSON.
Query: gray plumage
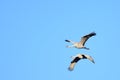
{"x":81,"y":44}
{"x":77,"y":58}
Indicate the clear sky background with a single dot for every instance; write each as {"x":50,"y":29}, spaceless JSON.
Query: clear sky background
{"x":32,"y":34}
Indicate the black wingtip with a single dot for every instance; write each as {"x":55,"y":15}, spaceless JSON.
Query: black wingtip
{"x":70,"y":69}
{"x":93,"y":61}
{"x":92,"y":33}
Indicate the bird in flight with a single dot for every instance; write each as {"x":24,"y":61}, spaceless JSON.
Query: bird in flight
{"x":77,"y":58}
{"x":80,"y":45}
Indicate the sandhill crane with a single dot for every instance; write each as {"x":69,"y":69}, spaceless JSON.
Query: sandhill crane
{"x":80,"y":45}
{"x":77,"y":58}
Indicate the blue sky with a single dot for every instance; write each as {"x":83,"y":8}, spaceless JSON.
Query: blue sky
{"x":32,"y":45}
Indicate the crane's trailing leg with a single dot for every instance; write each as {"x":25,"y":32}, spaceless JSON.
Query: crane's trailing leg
{"x":86,"y":48}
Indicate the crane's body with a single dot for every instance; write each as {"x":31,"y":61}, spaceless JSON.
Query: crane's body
{"x":77,"y":58}
{"x":81,"y":44}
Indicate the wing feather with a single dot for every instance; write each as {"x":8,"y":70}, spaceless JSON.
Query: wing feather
{"x":86,"y":37}
{"x":90,"y":58}
{"x":71,"y":67}
{"x":73,"y":62}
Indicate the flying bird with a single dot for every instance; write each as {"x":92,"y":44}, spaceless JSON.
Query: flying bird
{"x":77,"y":58}
{"x":80,"y":45}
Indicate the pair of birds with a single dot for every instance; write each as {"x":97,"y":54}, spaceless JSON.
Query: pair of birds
{"x":80,"y":45}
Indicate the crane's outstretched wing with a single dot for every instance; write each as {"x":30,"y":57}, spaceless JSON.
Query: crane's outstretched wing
{"x":90,"y":58}
{"x":86,"y":37}
{"x":73,"y":62}
{"x":77,"y":58}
